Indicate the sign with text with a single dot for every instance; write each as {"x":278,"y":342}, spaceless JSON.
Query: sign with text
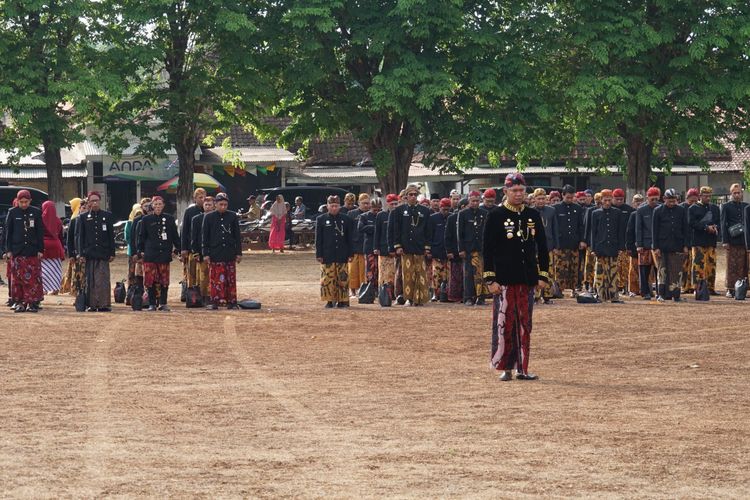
{"x":140,"y":169}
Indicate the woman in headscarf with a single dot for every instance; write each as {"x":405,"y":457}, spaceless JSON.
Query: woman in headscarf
{"x":54,"y":252}
{"x":278,"y":225}
{"x":134,"y":212}
{"x":67,"y":282}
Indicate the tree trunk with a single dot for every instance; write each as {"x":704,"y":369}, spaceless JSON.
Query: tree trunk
{"x":186,"y":160}
{"x":392,"y":150}
{"x":639,"y":152}
{"x":53,"y":163}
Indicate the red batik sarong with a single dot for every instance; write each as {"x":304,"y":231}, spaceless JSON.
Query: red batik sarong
{"x":155,"y":273}
{"x":26,"y":279}
{"x":223,"y":279}
{"x":456,"y":283}
{"x":371,"y":269}
{"x":511,"y":328}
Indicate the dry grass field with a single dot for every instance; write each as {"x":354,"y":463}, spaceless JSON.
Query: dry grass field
{"x":636,"y":400}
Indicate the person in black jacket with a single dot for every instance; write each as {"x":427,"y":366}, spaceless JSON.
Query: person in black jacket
{"x":73,"y":280}
{"x":412,"y":235}
{"x":571,"y":239}
{"x":196,"y":248}
{"x":623,"y":261}
{"x":606,"y":241}
{"x":669,"y":229}
{"x":157,"y":242}
{"x":733,"y":239}
{"x":24,"y":246}
{"x":643,"y":233}
{"x":334,"y":247}
{"x":95,"y":241}
{"x":366,"y":230}
{"x":357,"y":265}
{"x":686,"y":286}
{"x":190,"y":260}
{"x":222,"y":250}
{"x":386,"y":254}
{"x":516,"y":261}
{"x":704,"y":222}
{"x":437,"y":248}
{"x":455,"y":262}
{"x":630,"y":248}
{"x":470,"y":227}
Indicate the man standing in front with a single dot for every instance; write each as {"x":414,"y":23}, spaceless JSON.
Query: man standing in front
{"x":412,"y":234}
{"x":366,"y":230}
{"x":704,"y":222}
{"x":515,"y":261}
{"x":357,"y":274}
{"x":633,"y":283}
{"x":24,"y":246}
{"x":623,"y":261}
{"x":157,"y":241}
{"x":643,"y":234}
{"x":196,"y":246}
{"x":606,"y":242}
{"x":385,"y":253}
{"x":437,"y":248}
{"x":570,"y":238}
{"x":733,"y":237}
{"x":455,"y":263}
{"x":96,"y":249}
{"x":222,"y":250}
{"x":334,"y":249}
{"x":691,"y":198}
{"x":668,"y":241}
{"x":470,"y":232}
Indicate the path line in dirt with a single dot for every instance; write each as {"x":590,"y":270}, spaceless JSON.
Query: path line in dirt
{"x":626,"y":338}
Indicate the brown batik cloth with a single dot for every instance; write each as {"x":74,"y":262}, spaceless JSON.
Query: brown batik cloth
{"x":736,"y":265}
{"x":334,"y":282}
{"x":415,"y":278}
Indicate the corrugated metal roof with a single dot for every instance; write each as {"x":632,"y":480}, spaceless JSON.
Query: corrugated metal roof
{"x":40,"y":173}
{"x":366,"y":175}
{"x":251,"y":154}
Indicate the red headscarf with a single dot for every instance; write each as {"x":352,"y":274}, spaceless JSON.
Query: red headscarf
{"x":53,"y":247}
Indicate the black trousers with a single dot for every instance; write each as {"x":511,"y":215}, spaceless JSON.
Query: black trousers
{"x":644,"y":273}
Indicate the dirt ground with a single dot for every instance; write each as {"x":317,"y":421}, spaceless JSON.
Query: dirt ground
{"x":636,"y":400}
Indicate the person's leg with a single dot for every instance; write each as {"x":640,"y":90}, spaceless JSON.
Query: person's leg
{"x":342,"y":284}
{"x":710,"y":269}
{"x":468,"y":285}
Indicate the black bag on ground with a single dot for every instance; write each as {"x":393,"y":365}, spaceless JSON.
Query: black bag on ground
{"x":183,"y":291}
{"x":119,"y":292}
{"x":555,"y":290}
{"x":701,"y":291}
{"x":384,"y":296}
{"x":193,"y":297}
{"x":367,"y":293}
{"x":587,"y":298}
{"x":136,"y":301}
{"x":443,"y":292}
{"x":740,"y":289}
{"x":249,"y":304}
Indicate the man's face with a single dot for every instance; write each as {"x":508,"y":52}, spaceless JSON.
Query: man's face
{"x":445,"y":210}
{"x":435,"y":205}
{"x":85,"y":208}
{"x":348,"y":203}
{"x":198,"y":198}
{"x":222,"y":206}
{"x":411,"y":198}
{"x":298,"y":201}
{"x":24,"y":203}
{"x":393,"y":204}
{"x":618,"y":200}
{"x":606,"y":201}
{"x":374,"y":208}
{"x":588,"y":199}
{"x":474,"y":202}
{"x":364,"y":205}
{"x":251,"y":201}
{"x":691,"y":200}
{"x":670,"y":202}
{"x":455,"y":198}
{"x":569,"y":198}
{"x":333,"y":208}
{"x":636,"y":202}
{"x":736,"y":195}
{"x":208,"y":206}
{"x":93,"y":203}
{"x":705,"y":198}
{"x":653,"y":200}
{"x":516,"y":194}
{"x":489,"y":202}
{"x":158,"y":206}
{"x":540,"y":201}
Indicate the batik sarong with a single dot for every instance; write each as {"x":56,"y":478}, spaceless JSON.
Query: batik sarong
{"x":669,"y":266}
{"x":736,"y":265}
{"x":623,"y":266}
{"x":566,"y":269}
{"x":357,"y":271}
{"x":191,"y":270}
{"x":98,"y":286}
{"x":605,"y":278}
{"x":439,"y":273}
{"x":415,"y":278}
{"x":334,"y":282}
{"x":474,"y":286}
{"x":203,"y":277}
{"x":398,"y":286}
{"x":589,"y":268}
{"x":704,"y":266}
{"x":511,"y":328}
{"x":371,"y":270}
{"x":686,"y":284}
{"x":26,"y":280}
{"x":223,"y":278}
{"x":633,"y":283}
{"x":155,"y":273}
{"x":386,"y":270}
{"x":456,"y":280}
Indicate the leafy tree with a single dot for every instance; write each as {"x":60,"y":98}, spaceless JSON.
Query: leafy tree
{"x":42,"y":80}
{"x":655,"y":79}
{"x":176,"y":71}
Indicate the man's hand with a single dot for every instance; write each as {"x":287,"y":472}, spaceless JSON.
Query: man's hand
{"x":684,"y":249}
{"x":40,"y":254}
{"x":184,"y":253}
{"x":427,"y":253}
{"x":207,"y":259}
{"x":462,"y":254}
{"x":320,"y":259}
{"x":640,"y":249}
{"x":725,"y":245}
{"x":657,"y":253}
{"x":399,"y":251}
{"x":239,"y":259}
{"x":582,"y":245}
{"x":541,"y":284}
{"x":82,"y":260}
{"x":494,"y":288}
{"x":376,"y":252}
{"x":450,"y":256}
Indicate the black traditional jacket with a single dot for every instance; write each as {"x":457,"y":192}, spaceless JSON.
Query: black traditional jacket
{"x":24,"y":232}
{"x":606,"y":235}
{"x":411,"y":228}
{"x":669,"y":229}
{"x":158,"y":238}
{"x":95,"y":236}
{"x":334,"y":235}
{"x":221,"y":239}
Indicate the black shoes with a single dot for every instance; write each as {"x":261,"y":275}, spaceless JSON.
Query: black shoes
{"x":329,"y":305}
{"x":526,"y":376}
{"x":151,"y":308}
{"x":400,"y":300}
{"x":212,"y":307}
{"x":164,"y":307}
{"x":19,"y":308}
{"x":233,"y":306}
{"x":506,"y":376}
{"x":469,"y":302}
{"x":480,"y":301}
{"x":342,"y":305}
